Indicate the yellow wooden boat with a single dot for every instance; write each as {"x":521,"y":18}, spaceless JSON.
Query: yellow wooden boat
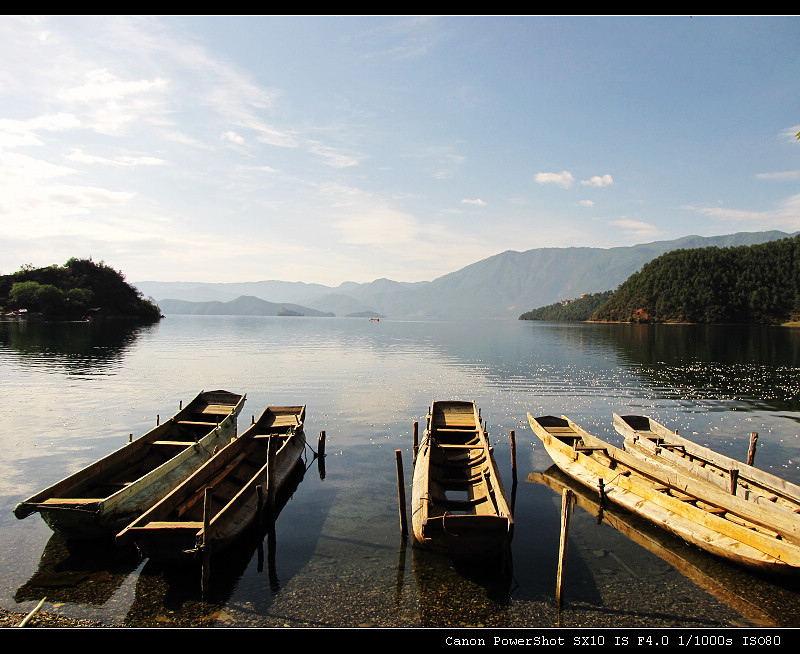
{"x":694,"y":509}
{"x":646,"y":437}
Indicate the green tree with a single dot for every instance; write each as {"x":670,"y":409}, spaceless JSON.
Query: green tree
{"x":33,"y":296}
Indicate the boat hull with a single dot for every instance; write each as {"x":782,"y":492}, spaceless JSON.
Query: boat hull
{"x":86,"y":505}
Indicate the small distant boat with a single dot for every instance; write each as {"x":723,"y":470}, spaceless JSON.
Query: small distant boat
{"x":458,"y":502}
{"x":180,"y":526}
{"x":696,"y":510}
{"x":102,"y":498}
{"x":645,"y":436}
{"x":374,"y":319}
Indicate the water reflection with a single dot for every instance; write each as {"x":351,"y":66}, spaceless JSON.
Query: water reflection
{"x":752,"y":595}
{"x":474,"y":593}
{"x":89,"y":572}
{"x":79,"y":348}
{"x":756,"y":367}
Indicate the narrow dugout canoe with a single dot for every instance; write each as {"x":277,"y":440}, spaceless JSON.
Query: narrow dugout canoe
{"x":458,"y":502}
{"x":696,"y":510}
{"x":174,"y":530}
{"x":646,"y":437}
{"x":102,"y":498}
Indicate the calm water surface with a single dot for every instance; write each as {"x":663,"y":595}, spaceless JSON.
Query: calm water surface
{"x":74,"y":392}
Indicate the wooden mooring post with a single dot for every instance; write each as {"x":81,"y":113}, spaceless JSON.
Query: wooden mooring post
{"x":271,"y":477}
{"x":513,"y":456}
{"x":205,"y":574}
{"x":751,"y":453}
{"x":321,"y":455}
{"x":401,"y":492}
{"x":416,"y":440}
{"x":566,"y":509}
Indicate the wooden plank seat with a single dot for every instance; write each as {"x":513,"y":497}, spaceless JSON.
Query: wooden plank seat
{"x":459,"y":446}
{"x":166,"y":524}
{"x":216,"y":410}
{"x":463,"y":504}
{"x":57,"y":501}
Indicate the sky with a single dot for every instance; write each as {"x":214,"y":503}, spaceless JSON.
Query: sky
{"x":327,"y":149}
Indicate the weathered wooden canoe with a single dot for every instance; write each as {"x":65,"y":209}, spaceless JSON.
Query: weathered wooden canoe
{"x":696,"y":510}
{"x":646,"y":437}
{"x":458,"y":502}
{"x":106,"y":495}
{"x":180,"y":527}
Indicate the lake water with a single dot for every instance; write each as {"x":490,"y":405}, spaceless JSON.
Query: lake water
{"x":74,"y":392}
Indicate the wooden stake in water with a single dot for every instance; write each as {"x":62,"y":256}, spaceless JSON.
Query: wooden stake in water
{"x":401,"y":492}
{"x":321,"y":444}
{"x":272,"y":480}
{"x":206,"y":569}
{"x":751,"y":453}
{"x":566,"y":506}
{"x":513,"y":457}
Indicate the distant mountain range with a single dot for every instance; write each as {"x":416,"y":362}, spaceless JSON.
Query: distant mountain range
{"x":502,"y":286}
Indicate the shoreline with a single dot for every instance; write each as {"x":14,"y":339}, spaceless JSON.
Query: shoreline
{"x":43,"y":619}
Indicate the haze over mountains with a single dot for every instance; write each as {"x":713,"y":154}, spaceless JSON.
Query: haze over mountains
{"x":502,"y":286}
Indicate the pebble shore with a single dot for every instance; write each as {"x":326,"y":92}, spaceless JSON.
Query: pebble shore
{"x":42,"y":619}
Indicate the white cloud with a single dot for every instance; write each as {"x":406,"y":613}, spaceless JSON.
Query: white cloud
{"x":786,"y":176}
{"x":563,"y":179}
{"x":586,"y":203}
{"x":332,"y":156}
{"x":477,"y":202}
{"x":785,"y":216}
{"x":637,"y":229}
{"x":23,"y":133}
{"x":598,"y":181}
{"x":233,"y":137}
{"x":80,"y":156}
{"x":111,"y":103}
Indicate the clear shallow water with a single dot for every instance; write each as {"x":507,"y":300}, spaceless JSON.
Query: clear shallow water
{"x":73,"y":393}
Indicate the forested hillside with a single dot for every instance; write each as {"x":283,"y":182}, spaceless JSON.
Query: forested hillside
{"x":74,"y":291}
{"x":580,"y":309}
{"x":746,"y":284}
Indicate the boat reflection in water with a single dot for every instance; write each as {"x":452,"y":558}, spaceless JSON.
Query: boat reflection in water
{"x":475,"y":592}
{"x":86,"y":572}
{"x":743,"y":590}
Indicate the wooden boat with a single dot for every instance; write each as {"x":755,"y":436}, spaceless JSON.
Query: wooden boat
{"x":694,"y":509}
{"x":106,"y":495}
{"x":646,"y":437}
{"x":458,"y":502}
{"x":181,"y":528}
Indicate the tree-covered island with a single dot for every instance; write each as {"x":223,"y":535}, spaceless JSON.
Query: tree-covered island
{"x":754,"y":284}
{"x":78,"y":290}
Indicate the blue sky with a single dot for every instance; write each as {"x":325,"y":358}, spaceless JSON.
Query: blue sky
{"x":335,"y":148}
